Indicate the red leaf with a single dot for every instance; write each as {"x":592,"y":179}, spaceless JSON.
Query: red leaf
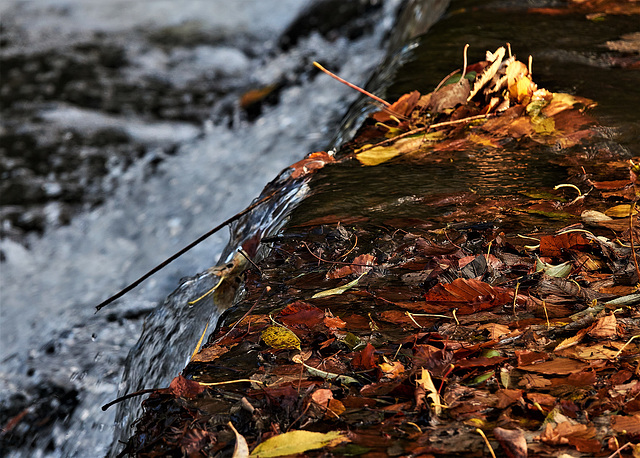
{"x":365,"y":359}
{"x":184,"y":388}
{"x":300,"y":312}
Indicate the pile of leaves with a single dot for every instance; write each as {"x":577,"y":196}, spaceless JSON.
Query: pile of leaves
{"x":399,"y":340}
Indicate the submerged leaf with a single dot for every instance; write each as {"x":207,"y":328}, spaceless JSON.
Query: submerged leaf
{"x":338,"y":290}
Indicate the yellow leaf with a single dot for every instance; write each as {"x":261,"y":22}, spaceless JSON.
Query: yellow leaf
{"x":295,"y":442}
{"x":380,"y":154}
{"x":426,"y":383}
{"x":620,"y":211}
{"x":280,"y":338}
{"x":338,"y":290}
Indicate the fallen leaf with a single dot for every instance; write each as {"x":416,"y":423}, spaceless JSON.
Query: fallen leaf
{"x":626,"y":424}
{"x":392,"y":369}
{"x":604,"y":328}
{"x":621,"y":211}
{"x":185,"y":388}
{"x":338,"y":290}
{"x":365,"y":359}
{"x":582,"y":437}
{"x":241,"y":448}
{"x":295,"y":442}
{"x":559,"y":366}
{"x":450,"y":96}
{"x":426,"y":384}
{"x":558,"y":245}
{"x":512,"y":442}
{"x":495,"y":330}
{"x":280,"y":338}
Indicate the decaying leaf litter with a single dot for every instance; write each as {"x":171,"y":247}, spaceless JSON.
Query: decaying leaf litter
{"x":401,"y":339}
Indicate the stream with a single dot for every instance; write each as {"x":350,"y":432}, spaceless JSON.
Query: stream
{"x":71,"y":363}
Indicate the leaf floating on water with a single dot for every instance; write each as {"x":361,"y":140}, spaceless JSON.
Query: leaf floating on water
{"x":295,"y":442}
{"x":280,"y":338}
{"x":338,"y":290}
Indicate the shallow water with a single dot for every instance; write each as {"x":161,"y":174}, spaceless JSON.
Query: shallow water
{"x":570,"y":54}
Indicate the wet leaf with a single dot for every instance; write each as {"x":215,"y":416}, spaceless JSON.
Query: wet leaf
{"x":295,"y":442}
{"x":280,"y":338}
{"x":380,"y":154}
{"x":338,"y":290}
{"x":365,"y":359}
{"x":185,"y":388}
{"x":345,"y":379}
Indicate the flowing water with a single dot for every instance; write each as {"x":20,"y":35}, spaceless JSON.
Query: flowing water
{"x":570,"y":54}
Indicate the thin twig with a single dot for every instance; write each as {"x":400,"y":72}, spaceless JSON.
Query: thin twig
{"x":172,"y":258}
{"x":352,"y":86}
{"x":633,"y":250}
{"x":130,"y":395}
{"x":333,"y":262}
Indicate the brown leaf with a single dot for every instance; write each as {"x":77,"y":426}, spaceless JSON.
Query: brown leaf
{"x":559,"y":366}
{"x":626,"y":424}
{"x":512,"y":442}
{"x":184,"y":388}
{"x":604,"y":328}
{"x":496,"y":330}
{"x":557,"y":245}
{"x":311,"y":163}
{"x":322,"y":397}
{"x":580,"y":436}
{"x":403,"y":106}
{"x":450,"y":96}
{"x":365,"y":359}
{"x":299,"y":312}
{"x":506,"y":397}
{"x":469,"y":295}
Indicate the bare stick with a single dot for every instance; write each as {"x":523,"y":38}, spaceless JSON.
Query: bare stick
{"x":130,"y":395}
{"x":464,"y":61}
{"x":172,"y":258}
{"x":352,"y":86}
